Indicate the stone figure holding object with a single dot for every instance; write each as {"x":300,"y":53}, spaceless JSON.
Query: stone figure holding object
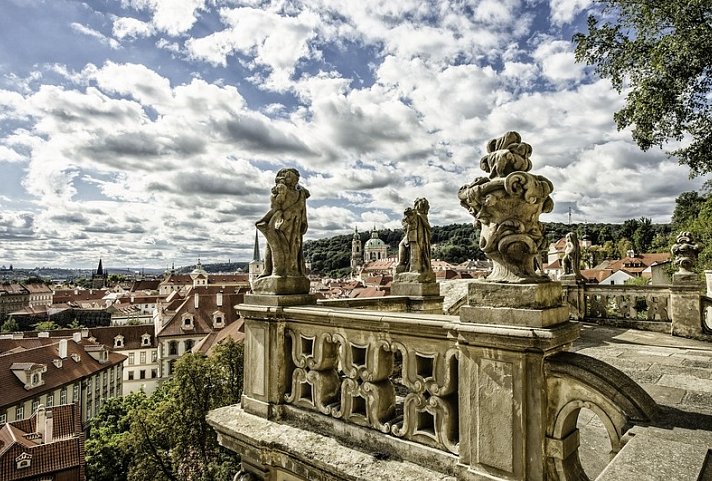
{"x":414,"y":248}
{"x":572,"y":257}
{"x":284,"y":227}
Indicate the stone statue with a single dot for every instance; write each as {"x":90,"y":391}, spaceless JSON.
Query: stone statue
{"x":572,"y":257}
{"x":685,"y":251}
{"x":414,"y":249}
{"x":284,"y":226}
{"x":506,"y":206}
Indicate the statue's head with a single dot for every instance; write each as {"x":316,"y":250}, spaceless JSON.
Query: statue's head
{"x":288,"y":177}
{"x":422,"y":205}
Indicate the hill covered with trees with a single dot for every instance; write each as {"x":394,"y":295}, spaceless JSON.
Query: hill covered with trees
{"x":456,"y":243}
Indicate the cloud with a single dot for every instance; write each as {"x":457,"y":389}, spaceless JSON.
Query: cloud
{"x":564,"y":11}
{"x":84,"y":30}
{"x":170,"y":16}
{"x":132,"y":28}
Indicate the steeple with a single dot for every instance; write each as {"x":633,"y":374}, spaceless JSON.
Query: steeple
{"x":99,"y":270}
{"x":256,"y":253}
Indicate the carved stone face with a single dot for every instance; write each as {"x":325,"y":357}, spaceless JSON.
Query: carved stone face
{"x":286,"y":177}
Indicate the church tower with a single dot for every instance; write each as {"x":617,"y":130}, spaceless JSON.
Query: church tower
{"x":356,"y":253}
{"x":256,"y":265}
{"x":99,"y":278}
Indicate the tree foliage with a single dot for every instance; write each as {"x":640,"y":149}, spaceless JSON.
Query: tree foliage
{"x":10,"y":325}
{"x":693,"y":213}
{"x":165,"y":436}
{"x":660,"y":53}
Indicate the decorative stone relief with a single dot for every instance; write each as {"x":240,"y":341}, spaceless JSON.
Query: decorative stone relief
{"x":632,"y":306}
{"x":284,"y":227}
{"x":315,"y":381}
{"x":685,"y":251}
{"x":506,"y":206}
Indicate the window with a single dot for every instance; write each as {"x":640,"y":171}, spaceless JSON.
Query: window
{"x":75,"y":394}
{"x":119,"y":341}
{"x":35,"y":379}
{"x":143,"y":357}
{"x":89,"y":408}
{"x":131,"y":375}
{"x":35,"y":405}
{"x":154,"y":356}
{"x":188,"y":344}
{"x":3,"y":418}
{"x":63,"y":396}
{"x":146,"y":340}
{"x":173,"y":348}
{"x":20,"y":412}
{"x":142,"y":374}
{"x":170,"y":366}
{"x":154,"y":373}
{"x":131,"y":358}
{"x":24,"y":460}
{"x":50,"y":400}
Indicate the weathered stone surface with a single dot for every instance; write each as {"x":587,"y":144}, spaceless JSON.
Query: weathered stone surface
{"x":280,"y":299}
{"x":685,"y":251}
{"x":414,"y":248}
{"x":526,"y":296}
{"x":659,"y":455}
{"x":309,"y":455}
{"x":506,"y":316}
{"x":572,"y":258}
{"x":284,"y":227}
{"x":495,"y":400}
{"x":414,"y":288}
{"x":506,"y":206}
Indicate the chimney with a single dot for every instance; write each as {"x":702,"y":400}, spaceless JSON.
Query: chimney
{"x":48,"y":434}
{"x":76,"y":291}
{"x":197,"y":300}
{"x":77,"y":336}
{"x":85,"y":332}
{"x":219,"y":300}
{"x":41,"y":421}
{"x":43,"y":334}
{"x":132,"y":298}
{"x":63,"y":348}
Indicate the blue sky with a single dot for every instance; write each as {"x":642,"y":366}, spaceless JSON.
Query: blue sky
{"x":148,"y":132}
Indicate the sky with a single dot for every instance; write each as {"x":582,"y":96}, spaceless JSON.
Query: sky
{"x":149,"y":132}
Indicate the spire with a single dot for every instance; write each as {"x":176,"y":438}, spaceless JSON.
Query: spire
{"x":99,"y":270}
{"x":256,"y":254}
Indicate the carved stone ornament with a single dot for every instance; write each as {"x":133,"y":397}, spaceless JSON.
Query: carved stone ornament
{"x":506,"y":206}
{"x":685,"y":251}
{"x":284,"y":227}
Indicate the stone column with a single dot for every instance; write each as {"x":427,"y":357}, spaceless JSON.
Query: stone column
{"x":686,"y":309}
{"x":507,"y":332}
{"x":574,"y":296}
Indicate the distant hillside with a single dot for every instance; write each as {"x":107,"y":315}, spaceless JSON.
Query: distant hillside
{"x":224,"y":267}
{"x":456,"y":243}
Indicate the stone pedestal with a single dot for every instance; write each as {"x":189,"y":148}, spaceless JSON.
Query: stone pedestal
{"x":708,"y":279}
{"x":574,"y":296}
{"x":280,"y":299}
{"x":281,"y":285}
{"x":521,"y":305}
{"x":686,"y":310}
{"x":415,"y":289}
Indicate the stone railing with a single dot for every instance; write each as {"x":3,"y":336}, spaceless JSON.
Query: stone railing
{"x":401,"y":385}
{"x":674,"y":309}
{"x":450,"y":395}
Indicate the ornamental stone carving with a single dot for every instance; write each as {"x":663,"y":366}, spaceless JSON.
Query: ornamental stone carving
{"x":685,"y":251}
{"x":284,"y":227}
{"x":506,"y":206}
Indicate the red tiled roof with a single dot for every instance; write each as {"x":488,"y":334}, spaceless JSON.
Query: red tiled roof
{"x":13,"y":390}
{"x":64,"y":454}
{"x":234,"y":330}
{"x":76,"y":295}
{"x":203,"y":315}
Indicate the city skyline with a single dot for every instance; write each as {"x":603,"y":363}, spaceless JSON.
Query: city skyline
{"x":149,"y":132}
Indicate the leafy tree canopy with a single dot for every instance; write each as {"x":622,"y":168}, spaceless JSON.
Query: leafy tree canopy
{"x":660,"y":53}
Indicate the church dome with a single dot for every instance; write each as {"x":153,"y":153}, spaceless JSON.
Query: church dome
{"x":374,"y":241}
{"x":198,"y":271}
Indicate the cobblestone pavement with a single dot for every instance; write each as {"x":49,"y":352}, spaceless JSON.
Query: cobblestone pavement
{"x":676,"y":372}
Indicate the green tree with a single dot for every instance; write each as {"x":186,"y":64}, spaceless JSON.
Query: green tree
{"x":171,"y":437}
{"x":687,"y":207}
{"x":659,"y":52}
{"x":108,"y":447}
{"x":622,"y":247}
{"x":10,"y":325}
{"x":643,"y":235}
{"x":45,"y":326}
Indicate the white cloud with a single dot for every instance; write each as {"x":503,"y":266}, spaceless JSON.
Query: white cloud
{"x":556,"y":58}
{"x":170,"y":16}
{"x":564,"y":11}
{"x":127,"y":27}
{"x":84,"y":30}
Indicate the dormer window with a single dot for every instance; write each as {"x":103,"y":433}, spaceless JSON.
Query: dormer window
{"x":218,"y":320}
{"x":146,"y":340}
{"x":187,"y":321}
{"x":35,"y":379}
{"x":57,"y":363}
{"x":119,"y":341}
{"x":24,"y":460}
{"x":76,"y":357}
{"x":30,"y":374}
